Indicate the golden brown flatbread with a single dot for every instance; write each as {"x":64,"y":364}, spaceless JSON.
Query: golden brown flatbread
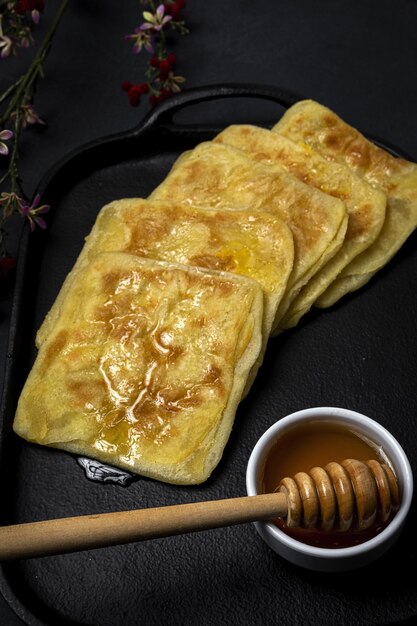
{"x":252,"y":243}
{"x":222,"y":176}
{"x":145,"y":366}
{"x":365,"y":204}
{"x":311,"y":123}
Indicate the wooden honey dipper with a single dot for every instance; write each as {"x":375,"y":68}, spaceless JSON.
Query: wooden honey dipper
{"x":332,"y":497}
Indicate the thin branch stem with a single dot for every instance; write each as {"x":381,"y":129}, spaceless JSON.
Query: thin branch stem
{"x":6,"y":94}
{"x":14,"y":157}
{"x":28,"y":79}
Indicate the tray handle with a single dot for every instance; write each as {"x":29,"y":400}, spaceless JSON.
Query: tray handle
{"x":164,"y":112}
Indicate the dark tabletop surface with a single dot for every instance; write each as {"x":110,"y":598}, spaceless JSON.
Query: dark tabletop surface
{"x":357,"y":57}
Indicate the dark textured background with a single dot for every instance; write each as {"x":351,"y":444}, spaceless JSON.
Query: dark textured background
{"x":357,"y":57}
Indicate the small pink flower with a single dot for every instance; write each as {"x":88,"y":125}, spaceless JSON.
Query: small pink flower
{"x":5,"y":135}
{"x":24,"y":38}
{"x":173,"y":82}
{"x":33,"y":211}
{"x":10,"y":202}
{"x":25,"y":42}
{"x":155,"y":21}
{"x":6,"y":45}
{"x":141,"y":39}
{"x":6,"y":198}
{"x":30,"y":116}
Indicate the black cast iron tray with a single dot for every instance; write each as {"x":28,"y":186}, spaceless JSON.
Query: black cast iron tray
{"x":360,"y":354}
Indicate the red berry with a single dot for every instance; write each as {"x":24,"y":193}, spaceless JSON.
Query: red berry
{"x":171,"y":59}
{"x":134,"y":95}
{"x":175,"y":10}
{"x":154,"y":61}
{"x":143,"y":87}
{"x":22,"y":6}
{"x":7,"y":263}
{"x":181,"y":3}
{"x":126,"y":85}
{"x":164,"y":67}
{"x":164,"y":93}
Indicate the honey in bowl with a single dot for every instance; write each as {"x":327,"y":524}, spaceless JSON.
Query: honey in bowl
{"x":312,"y":444}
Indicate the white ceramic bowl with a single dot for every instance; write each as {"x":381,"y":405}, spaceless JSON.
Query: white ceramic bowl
{"x":332,"y":559}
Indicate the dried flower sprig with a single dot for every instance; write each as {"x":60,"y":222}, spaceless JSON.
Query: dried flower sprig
{"x":16,"y":22}
{"x":160,"y":79}
{"x":17,"y":111}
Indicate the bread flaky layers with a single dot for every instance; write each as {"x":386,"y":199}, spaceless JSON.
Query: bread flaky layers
{"x":313,"y":124}
{"x":365,"y":204}
{"x":222,"y":176}
{"x":145,"y":366}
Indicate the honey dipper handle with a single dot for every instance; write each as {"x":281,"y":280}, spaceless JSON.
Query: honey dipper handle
{"x":96,"y":531}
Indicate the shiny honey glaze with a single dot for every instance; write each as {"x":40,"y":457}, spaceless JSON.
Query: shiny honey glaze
{"x":312,"y":444}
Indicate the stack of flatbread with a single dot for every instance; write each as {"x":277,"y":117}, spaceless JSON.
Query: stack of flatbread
{"x":161,"y":326}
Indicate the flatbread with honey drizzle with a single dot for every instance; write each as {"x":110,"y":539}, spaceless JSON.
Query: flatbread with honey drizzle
{"x":145,"y":366}
{"x":256,"y":244}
